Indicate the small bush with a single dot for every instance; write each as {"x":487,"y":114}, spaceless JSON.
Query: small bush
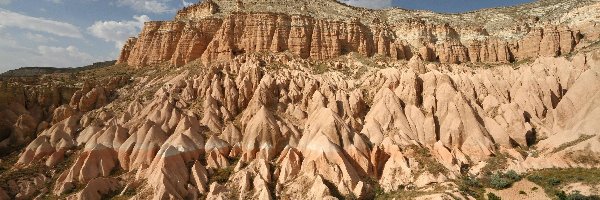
{"x":512,"y":175}
{"x":522,"y":192}
{"x":501,"y":180}
{"x":554,"y":181}
{"x":492,"y":196}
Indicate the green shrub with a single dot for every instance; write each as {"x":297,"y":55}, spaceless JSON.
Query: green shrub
{"x":512,"y":175}
{"x":522,"y":192}
{"x":554,"y":181}
{"x":492,"y":196}
{"x":501,"y":180}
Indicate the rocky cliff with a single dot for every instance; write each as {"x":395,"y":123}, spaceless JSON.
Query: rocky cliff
{"x":213,"y":30}
{"x":294,"y":101}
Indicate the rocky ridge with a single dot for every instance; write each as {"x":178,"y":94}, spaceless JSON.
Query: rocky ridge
{"x":220,"y":30}
{"x":266,"y":124}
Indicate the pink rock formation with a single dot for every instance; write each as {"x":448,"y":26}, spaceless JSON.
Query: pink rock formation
{"x":196,"y":33}
{"x":98,"y":187}
{"x":263,"y":121}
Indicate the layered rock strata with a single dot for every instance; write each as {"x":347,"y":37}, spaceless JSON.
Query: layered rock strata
{"x":203,"y":32}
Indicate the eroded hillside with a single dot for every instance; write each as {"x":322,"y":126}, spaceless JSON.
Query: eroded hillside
{"x":329,"y":110}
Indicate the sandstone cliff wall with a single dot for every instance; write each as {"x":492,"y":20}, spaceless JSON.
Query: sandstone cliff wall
{"x":216,"y":39}
{"x":196,"y":33}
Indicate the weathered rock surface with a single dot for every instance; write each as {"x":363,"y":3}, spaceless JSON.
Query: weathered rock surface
{"x":213,"y":31}
{"x":289,"y":130}
{"x":274,"y":125}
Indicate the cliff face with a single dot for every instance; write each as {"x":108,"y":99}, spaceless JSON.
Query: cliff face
{"x":216,"y":39}
{"x":203,"y":31}
{"x":299,"y":125}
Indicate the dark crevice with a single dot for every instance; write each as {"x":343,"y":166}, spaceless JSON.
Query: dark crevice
{"x":531,"y":137}
{"x":436,"y":122}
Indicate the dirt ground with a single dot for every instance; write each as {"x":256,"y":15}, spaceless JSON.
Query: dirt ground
{"x":532,"y":191}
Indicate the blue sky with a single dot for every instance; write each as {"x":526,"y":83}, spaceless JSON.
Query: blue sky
{"x":72,"y":33}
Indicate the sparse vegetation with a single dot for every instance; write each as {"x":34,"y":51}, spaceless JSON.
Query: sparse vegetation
{"x":360,"y":72}
{"x":572,"y":143}
{"x":404,"y":194}
{"x":502,"y":180}
{"x":576,"y":195}
{"x":593,"y":45}
{"x":220,"y":176}
{"x":127,"y":194}
{"x":518,"y":64}
{"x":492,"y":196}
{"x":552,"y":180}
{"x":495,"y":163}
{"x":585,"y":156}
{"x":377,"y":190}
{"x":10,"y":172}
{"x":475,"y":187}
{"x":429,"y":163}
{"x":274,"y":66}
{"x":471,"y":186}
{"x":320,"y":68}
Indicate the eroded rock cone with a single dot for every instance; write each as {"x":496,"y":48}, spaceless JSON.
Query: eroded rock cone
{"x":97,"y":188}
{"x":262,"y":137}
{"x":325,"y":146}
{"x":316,"y":105}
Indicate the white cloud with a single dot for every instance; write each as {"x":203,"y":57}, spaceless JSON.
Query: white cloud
{"x":63,"y":53}
{"x":38,"y":37}
{"x":5,"y":2}
{"x":147,"y":6}
{"x":12,"y":19}
{"x":7,"y":40}
{"x":17,"y":51}
{"x":374,"y":4}
{"x":185,"y":3}
{"x":118,"y":31}
{"x":15,"y":56}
